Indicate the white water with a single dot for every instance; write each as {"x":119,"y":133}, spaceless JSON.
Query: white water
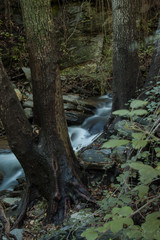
{"x":80,"y":136}
{"x":11,"y":169}
{"x":83,"y":135}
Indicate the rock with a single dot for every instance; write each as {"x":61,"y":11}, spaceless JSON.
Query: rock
{"x":75,"y":117}
{"x":119,"y":153}
{"x":30,"y":96}
{"x":16,"y":232}
{"x":28,"y":104}
{"x":27,"y":72}
{"x":122,"y":128}
{"x":70,"y":98}
{"x":97,"y":156}
{"x":10,"y":201}
{"x":69,"y":106}
{"x":95,"y":124}
{"x":82,"y":217}
{"x":19,"y":94}
{"x":28,"y":112}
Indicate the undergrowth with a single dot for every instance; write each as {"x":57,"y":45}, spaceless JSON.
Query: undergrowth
{"x":130,"y":208}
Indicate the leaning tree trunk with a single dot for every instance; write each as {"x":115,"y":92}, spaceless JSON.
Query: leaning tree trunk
{"x":125,"y":57}
{"x":47,"y":158}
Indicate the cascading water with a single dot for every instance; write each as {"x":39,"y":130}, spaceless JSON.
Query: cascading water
{"x":11,"y":170}
{"x":81,"y":136}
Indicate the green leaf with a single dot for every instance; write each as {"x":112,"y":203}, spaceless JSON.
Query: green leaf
{"x":116,"y":225}
{"x":125,"y":211}
{"x":147,"y":173}
{"x":107,"y":216}
{"x":138,"y":103}
{"x":122,"y":112}
{"x":115,"y":143}
{"x":90,"y":234}
{"x":125,"y":199}
{"x":104,"y":228}
{"x":138,"y":112}
{"x":137,"y":144}
{"x":139,"y":136}
{"x":151,"y":227}
{"x":142,"y":191}
{"x":134,"y":232}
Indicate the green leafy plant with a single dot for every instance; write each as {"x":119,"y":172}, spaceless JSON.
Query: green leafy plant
{"x":131,"y":208}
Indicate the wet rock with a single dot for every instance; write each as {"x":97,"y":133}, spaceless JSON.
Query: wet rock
{"x":123,"y":128}
{"x":28,"y":112}
{"x":10,"y":201}
{"x":69,"y":106}
{"x":16,"y":232}
{"x":97,"y":156}
{"x":27,"y":72}
{"x":30,"y":96}
{"x":70,"y":98}
{"x":119,"y":153}
{"x":28,"y":104}
{"x":75,"y":117}
{"x":95,"y":124}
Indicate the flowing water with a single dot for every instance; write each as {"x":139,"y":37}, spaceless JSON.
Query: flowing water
{"x":80,"y":136}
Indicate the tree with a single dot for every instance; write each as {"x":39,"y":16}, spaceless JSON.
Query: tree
{"x":125,"y":57}
{"x":46,"y":156}
{"x":154,"y":70}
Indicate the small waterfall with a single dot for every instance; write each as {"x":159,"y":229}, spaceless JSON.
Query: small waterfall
{"x":83,"y":135}
{"x":80,"y":136}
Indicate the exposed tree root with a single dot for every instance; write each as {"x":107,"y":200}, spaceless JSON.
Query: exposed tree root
{"x":6,"y":225}
{"x":25,"y":203}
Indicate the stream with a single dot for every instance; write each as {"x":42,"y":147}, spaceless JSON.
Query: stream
{"x":80,"y":136}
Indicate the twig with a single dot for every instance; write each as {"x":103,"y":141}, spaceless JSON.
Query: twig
{"x":149,"y":202}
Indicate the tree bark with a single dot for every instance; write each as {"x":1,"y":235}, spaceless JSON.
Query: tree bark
{"x":48,"y":160}
{"x":154,"y":70}
{"x":125,"y":57}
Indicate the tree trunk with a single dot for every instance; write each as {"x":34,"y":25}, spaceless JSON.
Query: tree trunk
{"x":125,"y":57}
{"x":47,"y":158}
{"x":154,"y":70}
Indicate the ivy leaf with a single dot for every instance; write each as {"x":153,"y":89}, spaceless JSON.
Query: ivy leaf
{"x":122,"y":112}
{"x":138,"y":112}
{"x":137,"y":144}
{"x":90,"y":234}
{"x":138,"y":103}
{"x":115,"y":143}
